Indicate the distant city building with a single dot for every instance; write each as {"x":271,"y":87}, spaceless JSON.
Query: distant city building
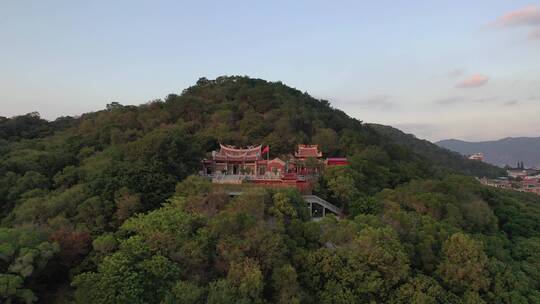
{"x":477,"y":156}
{"x":522,"y":173}
{"x":497,"y":183}
{"x":526,"y":184}
{"x":536,"y":176}
{"x":515,"y":173}
{"x":529,"y":183}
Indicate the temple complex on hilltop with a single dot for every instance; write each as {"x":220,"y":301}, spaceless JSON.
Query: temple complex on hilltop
{"x":232,"y":165}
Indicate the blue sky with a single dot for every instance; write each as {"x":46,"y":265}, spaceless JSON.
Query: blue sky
{"x":459,"y":69}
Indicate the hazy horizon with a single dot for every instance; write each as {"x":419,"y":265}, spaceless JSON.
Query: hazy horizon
{"x":458,"y":70}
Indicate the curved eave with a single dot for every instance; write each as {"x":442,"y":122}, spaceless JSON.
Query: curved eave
{"x":254,"y":149}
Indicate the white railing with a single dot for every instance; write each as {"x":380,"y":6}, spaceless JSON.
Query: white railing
{"x":310,"y":199}
{"x":322,"y":202}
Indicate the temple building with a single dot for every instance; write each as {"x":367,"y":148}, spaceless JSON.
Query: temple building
{"x":336,"y":161}
{"x":232,"y":165}
{"x":307,"y":160}
{"x":229,"y":160}
{"x":308,"y":151}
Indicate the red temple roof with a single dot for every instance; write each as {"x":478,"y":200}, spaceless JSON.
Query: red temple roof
{"x":239,"y":154}
{"x":305,"y":151}
{"x":337,"y":161}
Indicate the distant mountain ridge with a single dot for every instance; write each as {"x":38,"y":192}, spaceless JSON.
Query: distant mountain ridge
{"x":440,"y":157}
{"x":505,"y":151}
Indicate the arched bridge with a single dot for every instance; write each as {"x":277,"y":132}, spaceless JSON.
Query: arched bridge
{"x":318,"y":207}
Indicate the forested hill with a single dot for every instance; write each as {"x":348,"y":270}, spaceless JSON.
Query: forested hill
{"x":438,"y":156}
{"x":104,"y":208}
{"x":31,"y":126}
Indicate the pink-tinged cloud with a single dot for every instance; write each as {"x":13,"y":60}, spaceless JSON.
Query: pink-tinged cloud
{"x":475,"y":81}
{"x":527,"y":16}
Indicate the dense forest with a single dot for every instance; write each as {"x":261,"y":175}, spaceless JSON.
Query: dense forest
{"x":107,"y":208}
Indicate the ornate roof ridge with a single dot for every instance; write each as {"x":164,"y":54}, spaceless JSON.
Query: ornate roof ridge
{"x":232,"y":148}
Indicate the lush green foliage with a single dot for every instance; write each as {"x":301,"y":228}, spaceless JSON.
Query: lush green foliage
{"x":444,"y":160}
{"x":31,"y":126}
{"x":443,"y":243}
{"x":104,"y":208}
{"x":24,"y":255}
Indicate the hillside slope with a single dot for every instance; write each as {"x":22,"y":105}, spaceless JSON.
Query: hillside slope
{"x":440,"y":157}
{"x":104,"y":208}
{"x":507,"y":151}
